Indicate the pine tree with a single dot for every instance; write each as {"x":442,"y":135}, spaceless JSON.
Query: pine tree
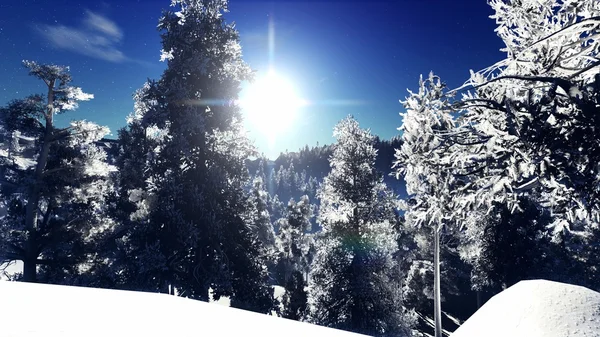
{"x":190,"y":225}
{"x":295,"y":245}
{"x":295,"y":299}
{"x":351,"y":281}
{"x":54,"y":182}
{"x":127,"y":256}
{"x":294,"y":240}
{"x":260,"y":218}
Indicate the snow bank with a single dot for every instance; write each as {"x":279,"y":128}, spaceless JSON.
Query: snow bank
{"x":278,"y":292}
{"x":53,"y":311}
{"x":537,"y":308}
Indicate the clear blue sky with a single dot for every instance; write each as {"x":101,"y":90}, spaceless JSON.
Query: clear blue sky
{"x":366,"y":52}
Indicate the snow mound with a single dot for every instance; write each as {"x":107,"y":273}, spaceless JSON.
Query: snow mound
{"x":537,"y":308}
{"x":53,"y":311}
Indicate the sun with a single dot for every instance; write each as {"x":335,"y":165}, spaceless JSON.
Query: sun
{"x":271,"y":104}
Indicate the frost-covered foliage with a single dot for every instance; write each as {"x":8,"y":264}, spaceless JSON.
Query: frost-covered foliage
{"x":510,"y":247}
{"x":424,"y":162}
{"x":525,"y":127}
{"x":423,"y":158}
{"x":259,"y":219}
{"x":554,"y":38}
{"x":55,"y":182}
{"x":351,"y":283}
{"x":185,"y":216}
{"x":294,"y":240}
{"x":535,"y":115}
{"x":295,"y":254}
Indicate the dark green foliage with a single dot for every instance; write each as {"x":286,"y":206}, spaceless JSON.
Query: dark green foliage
{"x":295,"y":298}
{"x":518,"y":247}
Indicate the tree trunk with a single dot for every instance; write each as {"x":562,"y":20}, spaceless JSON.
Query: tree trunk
{"x":29,"y":270}
{"x":437,"y":303}
{"x":31,"y":210}
{"x":357,"y":310}
{"x":204,"y":294}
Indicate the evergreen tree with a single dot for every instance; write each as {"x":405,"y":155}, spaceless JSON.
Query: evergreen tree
{"x":296,"y":251}
{"x":260,"y":217}
{"x":296,"y":298}
{"x":54,"y":182}
{"x":352,"y":284}
{"x":294,"y":240}
{"x":277,"y":211}
{"x":127,"y":256}
{"x":516,"y":246}
{"x":191,"y":223}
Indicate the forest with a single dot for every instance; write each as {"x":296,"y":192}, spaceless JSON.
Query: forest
{"x":485,"y":185}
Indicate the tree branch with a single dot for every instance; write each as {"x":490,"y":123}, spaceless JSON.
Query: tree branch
{"x":494,"y":104}
{"x":564,"y":84}
{"x":10,"y":256}
{"x":584,"y":21}
{"x":58,"y":169}
{"x":590,"y":66}
{"x":480,"y":169}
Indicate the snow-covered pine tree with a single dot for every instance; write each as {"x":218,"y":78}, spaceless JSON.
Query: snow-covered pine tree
{"x":552,"y":38}
{"x":54,"y":182}
{"x":295,"y":245}
{"x":351,"y":283}
{"x":259,"y":217}
{"x":128,"y":257}
{"x":294,"y":240}
{"x":295,"y":299}
{"x":277,"y":211}
{"x":191,"y":207}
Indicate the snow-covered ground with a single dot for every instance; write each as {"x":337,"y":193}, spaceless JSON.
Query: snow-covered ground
{"x":537,"y":308}
{"x":53,"y":311}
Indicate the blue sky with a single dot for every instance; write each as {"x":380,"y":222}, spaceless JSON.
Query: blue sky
{"x":364,"y":54}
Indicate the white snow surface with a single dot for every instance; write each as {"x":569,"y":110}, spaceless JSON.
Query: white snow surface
{"x":53,"y":311}
{"x":537,"y":308}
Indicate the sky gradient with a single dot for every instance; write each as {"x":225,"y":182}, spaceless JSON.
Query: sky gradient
{"x":345,"y":57}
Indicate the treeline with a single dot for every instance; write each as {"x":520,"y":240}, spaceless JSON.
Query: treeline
{"x":314,"y":162}
{"x":295,"y":174}
{"x":500,"y":184}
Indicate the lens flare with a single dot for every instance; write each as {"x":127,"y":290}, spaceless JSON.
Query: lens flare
{"x":271,"y":104}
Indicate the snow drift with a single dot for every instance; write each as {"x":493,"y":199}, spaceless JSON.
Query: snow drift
{"x":49,"y":310}
{"x":537,"y":308}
